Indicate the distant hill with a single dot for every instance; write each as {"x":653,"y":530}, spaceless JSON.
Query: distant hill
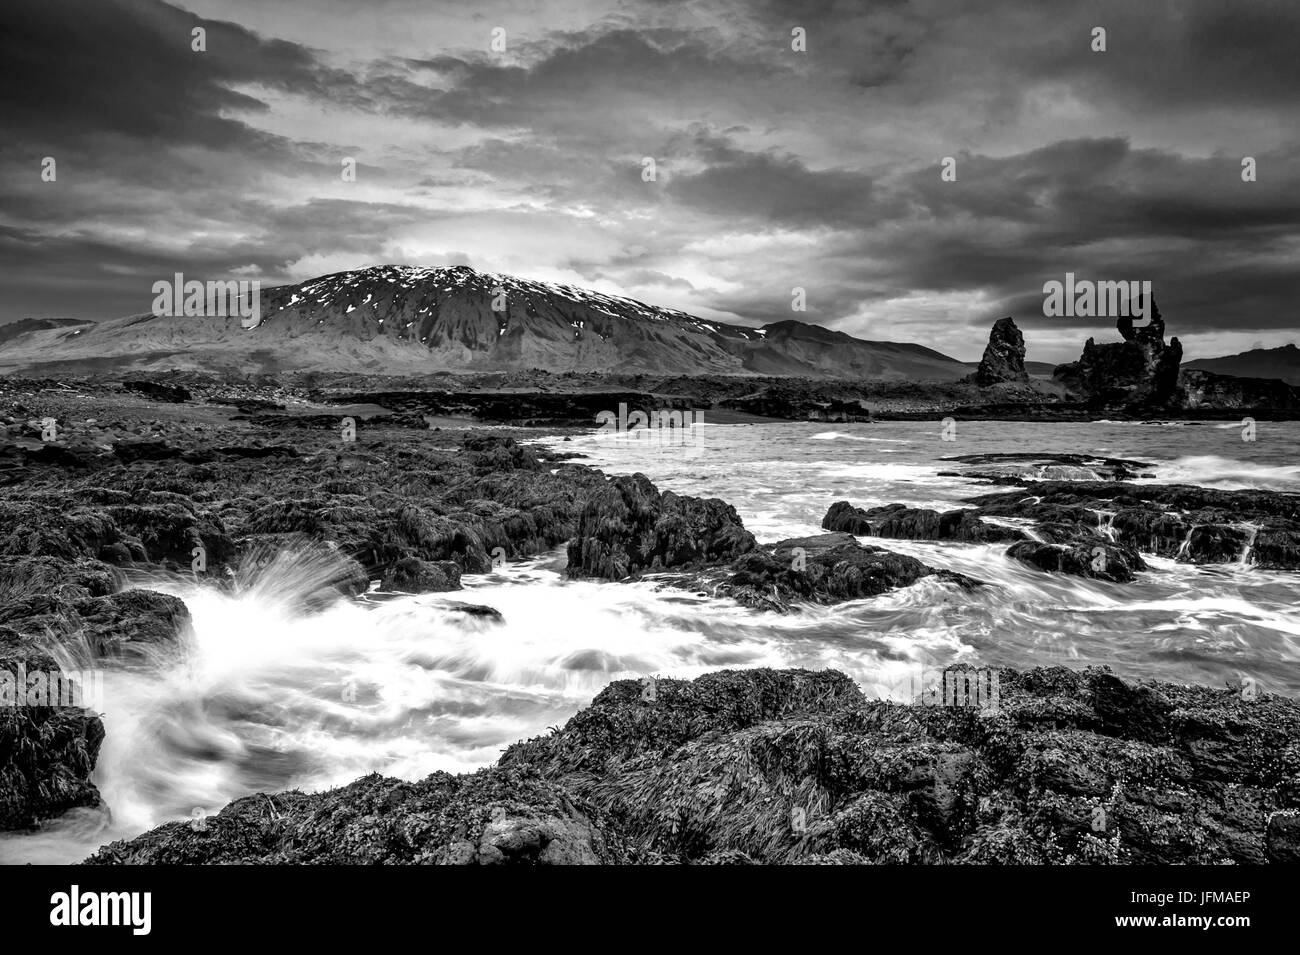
{"x":401,"y":320}
{"x":1283,"y":363}
{"x":23,"y":326}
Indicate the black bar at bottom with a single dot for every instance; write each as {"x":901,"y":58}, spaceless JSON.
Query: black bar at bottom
{"x":239,"y":904}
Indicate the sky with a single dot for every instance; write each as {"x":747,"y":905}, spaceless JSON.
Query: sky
{"x":513,"y":137}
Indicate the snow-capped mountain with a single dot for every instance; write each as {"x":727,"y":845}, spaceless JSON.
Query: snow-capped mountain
{"x":403,"y":320}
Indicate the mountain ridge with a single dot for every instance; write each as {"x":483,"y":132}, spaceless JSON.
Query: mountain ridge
{"x":1281,"y":363}
{"x":412,"y":320}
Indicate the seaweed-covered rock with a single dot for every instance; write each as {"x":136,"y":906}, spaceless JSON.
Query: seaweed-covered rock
{"x":132,"y":622}
{"x":46,"y":757}
{"x":49,"y":741}
{"x":415,"y":576}
{"x":763,"y":766}
{"x":628,"y":527}
{"x":493,"y":817}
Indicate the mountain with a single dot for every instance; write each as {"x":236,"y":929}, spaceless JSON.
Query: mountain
{"x":402,"y":320}
{"x":23,"y":326}
{"x":1283,"y":363}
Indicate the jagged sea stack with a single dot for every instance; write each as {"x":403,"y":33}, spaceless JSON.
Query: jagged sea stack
{"x":1004,"y":356}
{"x":1140,"y":371}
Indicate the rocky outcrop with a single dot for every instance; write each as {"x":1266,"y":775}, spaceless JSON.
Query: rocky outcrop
{"x":495,"y":817}
{"x":1081,"y":556}
{"x":627,"y":527}
{"x":792,"y":766}
{"x":1203,"y":389}
{"x":47,"y":751}
{"x":916,"y":523}
{"x":59,"y":627}
{"x":1099,"y":528}
{"x":1140,"y":371}
{"x":76,"y":527}
{"x":1004,"y":356}
{"x":1190,"y":524}
{"x":1015,"y":467}
{"x":1074,"y":548}
{"x":412,"y":575}
{"x":826,"y":569}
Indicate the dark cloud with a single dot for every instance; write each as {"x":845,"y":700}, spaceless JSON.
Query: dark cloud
{"x":771,"y":186}
{"x":775,"y":168}
{"x":126,"y":69}
{"x":1178,"y":53}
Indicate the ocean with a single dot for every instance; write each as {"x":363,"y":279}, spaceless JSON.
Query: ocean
{"x":265,"y":698}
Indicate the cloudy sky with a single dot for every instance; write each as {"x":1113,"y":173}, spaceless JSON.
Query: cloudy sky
{"x":775,"y":168}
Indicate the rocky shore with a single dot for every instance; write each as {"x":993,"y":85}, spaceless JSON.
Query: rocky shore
{"x":763,"y":766}
{"x":130,"y":484}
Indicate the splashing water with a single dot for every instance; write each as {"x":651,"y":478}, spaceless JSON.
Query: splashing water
{"x":283,"y":684}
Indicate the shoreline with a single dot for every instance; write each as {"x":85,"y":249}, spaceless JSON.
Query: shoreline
{"x":142,"y":482}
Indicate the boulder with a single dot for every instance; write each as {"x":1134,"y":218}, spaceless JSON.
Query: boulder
{"x":826,"y":569}
{"x":415,"y":576}
{"x":628,"y":528}
{"x":917,"y":523}
{"x":1082,"y":557}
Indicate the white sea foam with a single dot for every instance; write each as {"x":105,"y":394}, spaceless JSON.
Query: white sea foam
{"x":1216,"y":471}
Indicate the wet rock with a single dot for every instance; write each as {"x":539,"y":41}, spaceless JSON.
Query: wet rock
{"x":116,"y":553}
{"x":171,"y":528}
{"x":826,"y":569}
{"x":132,"y":622}
{"x":1189,"y":524}
{"x":1276,"y":546}
{"x":475,"y":611}
{"x":49,"y":742}
{"x":47,"y":755}
{"x":916,"y":523}
{"x":1215,"y":544}
{"x":415,"y":576}
{"x":1082,"y":557}
{"x":628,"y":527}
{"x":1023,"y":467}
